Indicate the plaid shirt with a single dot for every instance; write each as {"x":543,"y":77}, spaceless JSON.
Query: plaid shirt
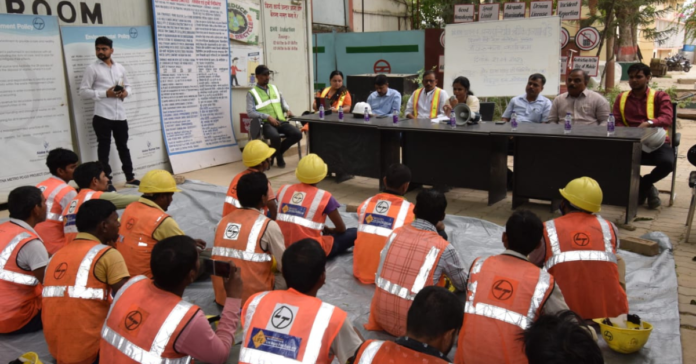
{"x":449,"y":263}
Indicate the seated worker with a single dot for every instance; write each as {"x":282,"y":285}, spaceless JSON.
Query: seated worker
{"x":149,"y":320}
{"x":384,"y":100}
{"x":250,"y":240}
{"x":378,"y":216}
{"x":23,"y":260}
{"x":585,"y":106}
{"x":644,"y":107}
{"x":84,"y":275}
{"x":509,"y":294}
{"x":462,"y":95}
{"x":580,"y":252}
{"x":336,"y":95}
{"x":399,"y":279}
{"x":257,"y":158}
{"x":264,"y":102}
{"x":311,"y":331}
{"x":428,"y":101}
{"x":532,"y":107}
{"x":146,"y":222}
{"x":431,"y":329}
{"x":58,"y":193}
{"x":93,"y":183}
{"x":561,"y":338}
{"x":303,"y":209}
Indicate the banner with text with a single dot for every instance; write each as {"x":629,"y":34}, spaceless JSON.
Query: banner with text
{"x":134,"y":50}
{"x":193,"y":62}
{"x":244,"y":21}
{"x":244,"y":61}
{"x":35,"y":116}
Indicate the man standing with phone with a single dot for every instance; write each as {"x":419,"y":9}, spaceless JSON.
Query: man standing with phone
{"x":105,"y":82}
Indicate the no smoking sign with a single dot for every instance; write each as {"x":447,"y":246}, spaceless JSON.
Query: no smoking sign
{"x":587,"y":38}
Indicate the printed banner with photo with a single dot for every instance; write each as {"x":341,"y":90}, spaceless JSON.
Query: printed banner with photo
{"x":244,"y":61}
{"x":244,"y":18}
{"x":35,"y":117}
{"x":134,"y":50}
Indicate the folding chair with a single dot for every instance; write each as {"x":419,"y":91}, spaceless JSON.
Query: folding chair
{"x":256,"y":132}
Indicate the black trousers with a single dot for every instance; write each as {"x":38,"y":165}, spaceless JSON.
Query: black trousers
{"x":272,"y":133}
{"x":103,"y":129}
{"x":663,"y":160}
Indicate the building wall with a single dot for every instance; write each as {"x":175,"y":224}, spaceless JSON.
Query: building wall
{"x":330,"y":12}
{"x":379,"y":15}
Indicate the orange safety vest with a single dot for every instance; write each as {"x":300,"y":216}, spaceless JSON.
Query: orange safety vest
{"x":399,"y":279}
{"x":75,"y":302}
{"x":282,"y":325}
{"x":143,"y":325}
{"x":138,"y":224}
{"x":378,"y":216}
{"x":70,"y":212}
{"x":20,"y":299}
{"x":238,"y":239}
{"x":580,"y":254}
{"x":231,"y":203}
{"x":505,"y":295}
{"x":377,"y":351}
{"x":301,"y":214}
{"x":340,"y":98}
{"x":51,"y":231}
{"x":433,"y":105}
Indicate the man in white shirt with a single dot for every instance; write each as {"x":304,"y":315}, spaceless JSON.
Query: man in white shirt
{"x":428,"y":101}
{"x":105,"y":82}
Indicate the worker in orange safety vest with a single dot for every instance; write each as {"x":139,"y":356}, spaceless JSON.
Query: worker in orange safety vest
{"x":580,"y":252}
{"x":23,"y":260}
{"x":293,"y":325}
{"x":257,"y":158}
{"x":506,"y":294}
{"x":83,"y":276}
{"x":58,"y":193}
{"x":431,"y":330}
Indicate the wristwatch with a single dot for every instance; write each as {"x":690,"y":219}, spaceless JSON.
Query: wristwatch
{"x":651,"y":122}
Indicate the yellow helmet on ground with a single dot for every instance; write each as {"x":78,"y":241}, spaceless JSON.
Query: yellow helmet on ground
{"x":30,"y":358}
{"x":256,"y":152}
{"x":311,"y":169}
{"x":584,"y":193}
{"x":625,"y":341}
{"x":158,"y":181}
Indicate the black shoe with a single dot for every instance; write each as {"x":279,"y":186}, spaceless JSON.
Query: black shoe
{"x":654,"y":198}
{"x":343,"y":177}
{"x":133,"y":183}
{"x":642,"y":198}
{"x":281,"y":161}
{"x":110,"y":188}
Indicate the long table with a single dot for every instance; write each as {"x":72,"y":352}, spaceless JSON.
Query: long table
{"x":475,"y":156}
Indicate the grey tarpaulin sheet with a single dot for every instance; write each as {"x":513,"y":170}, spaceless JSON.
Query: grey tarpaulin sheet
{"x":652,"y":282}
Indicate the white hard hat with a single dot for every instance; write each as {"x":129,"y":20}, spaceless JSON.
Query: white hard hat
{"x":359,"y":109}
{"x":655,"y":140}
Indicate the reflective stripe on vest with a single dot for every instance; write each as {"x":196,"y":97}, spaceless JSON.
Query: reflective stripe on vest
{"x":72,"y":229}
{"x":378,"y":230}
{"x":302,"y":221}
{"x":368,"y":355}
{"x":249,"y":254}
{"x":14,"y":277}
{"x":418,"y":284}
{"x":340,"y":99}
{"x":433,"y":105}
{"x":579,"y":255}
{"x":80,"y":290}
{"x":232,"y":201}
{"x":270,"y":101}
{"x":49,"y":204}
{"x":164,"y":334}
{"x":650,"y":107}
{"x":502,"y":314}
{"x":314,"y":343}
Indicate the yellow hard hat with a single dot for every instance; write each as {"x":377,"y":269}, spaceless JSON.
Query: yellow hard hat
{"x":584,"y":193}
{"x":30,"y":357}
{"x":628,"y":340}
{"x":158,"y":181}
{"x":255,"y":152}
{"x":311,"y":169}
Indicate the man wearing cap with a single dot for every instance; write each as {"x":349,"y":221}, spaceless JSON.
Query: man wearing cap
{"x":579,"y":250}
{"x":145,"y":222}
{"x":266,"y":103}
{"x":257,"y":157}
{"x":643,"y":107}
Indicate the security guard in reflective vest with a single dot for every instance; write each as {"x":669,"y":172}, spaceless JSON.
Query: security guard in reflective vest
{"x":580,"y":252}
{"x":266,"y":103}
{"x":82,"y":277}
{"x":257,"y":158}
{"x":506,"y":294}
{"x":294,"y":326}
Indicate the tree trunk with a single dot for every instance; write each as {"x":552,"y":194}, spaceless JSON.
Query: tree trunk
{"x":627,"y":47}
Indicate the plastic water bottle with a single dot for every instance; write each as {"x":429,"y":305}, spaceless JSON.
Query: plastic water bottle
{"x":611,"y":125}
{"x":453,"y":120}
{"x":395,"y":116}
{"x":568,"y":125}
{"x":513,"y":121}
{"x":367,"y":114}
{"x":321,"y":112}
{"x":340,"y":113}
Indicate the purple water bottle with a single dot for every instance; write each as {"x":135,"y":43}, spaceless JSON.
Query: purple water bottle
{"x":453,"y":120}
{"x":513,"y":121}
{"x":568,"y":124}
{"x":395,"y":116}
{"x":340,"y":113}
{"x":321,"y":112}
{"x":367,"y":114}
{"x":611,"y":125}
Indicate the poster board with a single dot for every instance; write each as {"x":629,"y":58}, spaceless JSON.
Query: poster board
{"x":497,"y":56}
{"x":35,"y":116}
{"x":244,"y":61}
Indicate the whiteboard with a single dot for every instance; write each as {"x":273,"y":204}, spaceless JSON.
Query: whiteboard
{"x":499,"y":56}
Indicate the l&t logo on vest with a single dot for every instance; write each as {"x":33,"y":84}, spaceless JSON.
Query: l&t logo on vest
{"x":232,"y":231}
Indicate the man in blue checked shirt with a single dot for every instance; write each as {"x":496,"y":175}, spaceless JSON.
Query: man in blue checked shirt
{"x":530,"y":107}
{"x":384,"y":100}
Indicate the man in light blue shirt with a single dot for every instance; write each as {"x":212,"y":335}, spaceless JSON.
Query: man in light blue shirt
{"x":530,"y":107}
{"x":384,"y":100}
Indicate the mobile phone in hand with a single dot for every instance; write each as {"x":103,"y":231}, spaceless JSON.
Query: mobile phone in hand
{"x":218,"y":268}
{"x":118,"y":88}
